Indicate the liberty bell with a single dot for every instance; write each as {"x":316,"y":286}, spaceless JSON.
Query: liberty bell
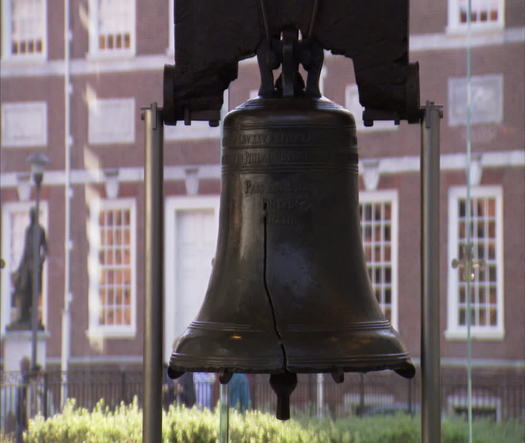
{"x":289,"y":291}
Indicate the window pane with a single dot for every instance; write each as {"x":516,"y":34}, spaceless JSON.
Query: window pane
{"x":484,"y":285}
{"x":27,"y":26}
{"x":116,"y":266}
{"x":115,"y":25}
{"x":376,"y":230}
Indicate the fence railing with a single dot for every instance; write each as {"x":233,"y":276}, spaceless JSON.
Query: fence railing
{"x":499,"y":398}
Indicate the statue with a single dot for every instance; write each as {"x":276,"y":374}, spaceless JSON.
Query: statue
{"x":23,"y":277}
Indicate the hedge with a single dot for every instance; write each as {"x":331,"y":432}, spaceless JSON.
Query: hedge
{"x":181,"y":425}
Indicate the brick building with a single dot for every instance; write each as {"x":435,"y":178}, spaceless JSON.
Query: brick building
{"x":82,"y":108}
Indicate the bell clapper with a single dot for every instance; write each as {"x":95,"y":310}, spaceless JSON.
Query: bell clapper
{"x":225,"y":376}
{"x":338,"y":375}
{"x":283,"y":385}
{"x":174,"y":374}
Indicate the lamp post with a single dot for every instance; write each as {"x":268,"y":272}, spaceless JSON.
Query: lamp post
{"x":38,"y":163}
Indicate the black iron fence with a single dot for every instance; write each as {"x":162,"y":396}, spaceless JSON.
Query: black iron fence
{"x":497,"y":398}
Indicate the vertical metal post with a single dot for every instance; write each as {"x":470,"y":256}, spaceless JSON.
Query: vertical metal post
{"x":65,"y":353}
{"x":36,"y":268}
{"x":430,"y":318}
{"x":153,"y":273}
{"x":224,"y":417}
{"x":320,"y":395}
{"x":361,"y":407}
{"x":409,"y":394}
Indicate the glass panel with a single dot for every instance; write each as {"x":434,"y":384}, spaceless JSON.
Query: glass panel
{"x":115,"y":260}
{"x":377,"y":238}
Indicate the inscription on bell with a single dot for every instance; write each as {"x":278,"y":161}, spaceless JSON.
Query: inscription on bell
{"x":275,"y":138}
{"x":258,"y":157}
{"x":246,"y":158}
{"x":251,"y":187}
{"x":282,"y":219}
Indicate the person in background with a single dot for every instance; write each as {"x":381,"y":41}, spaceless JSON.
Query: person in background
{"x":239,"y":392}
{"x":180,"y":390}
{"x":168,"y":389}
{"x":185,"y":389}
{"x":203,"y":384}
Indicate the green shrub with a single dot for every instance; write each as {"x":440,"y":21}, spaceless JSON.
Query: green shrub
{"x":182,"y":425}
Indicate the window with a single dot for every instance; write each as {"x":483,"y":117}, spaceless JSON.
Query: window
{"x":111,"y":120}
{"x":15,"y":220}
{"x":484,"y":14}
{"x":353,"y":105}
{"x":486,"y":289}
{"x":378,"y":212}
{"x":486,"y":99}
{"x":16,"y":129}
{"x":113,"y":27}
{"x":24,"y":24}
{"x":112,"y":267}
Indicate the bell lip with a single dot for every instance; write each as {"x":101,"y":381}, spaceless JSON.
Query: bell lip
{"x":402,"y":366}
{"x":187,"y":363}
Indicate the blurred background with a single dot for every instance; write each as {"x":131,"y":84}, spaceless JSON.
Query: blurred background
{"x":74,"y":77}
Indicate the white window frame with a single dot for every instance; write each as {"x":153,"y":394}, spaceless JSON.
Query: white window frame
{"x":94,"y":51}
{"x":24,"y":109}
{"x":7,"y":55}
{"x":390,"y":196}
{"x":454,"y":330}
{"x":455,"y":26}
{"x":173,"y":205}
{"x":5,"y":289}
{"x":95,"y":329}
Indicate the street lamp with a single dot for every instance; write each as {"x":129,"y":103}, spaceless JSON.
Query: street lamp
{"x":38,"y":162}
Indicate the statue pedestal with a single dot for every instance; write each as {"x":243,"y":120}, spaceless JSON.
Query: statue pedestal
{"x":18,"y":344}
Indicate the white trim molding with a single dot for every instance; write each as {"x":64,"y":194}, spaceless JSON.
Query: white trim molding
{"x":387,"y":165}
{"x":484,"y":288}
{"x":170,"y":51}
{"x":155,"y":62}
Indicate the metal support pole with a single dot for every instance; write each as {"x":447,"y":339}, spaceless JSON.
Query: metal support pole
{"x":320,"y":395}
{"x":35,"y":277}
{"x":65,"y":353}
{"x":153,"y":274}
{"x":224,"y":417}
{"x":430,"y":323}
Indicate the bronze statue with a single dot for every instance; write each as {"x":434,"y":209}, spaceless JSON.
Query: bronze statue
{"x":23,"y":291}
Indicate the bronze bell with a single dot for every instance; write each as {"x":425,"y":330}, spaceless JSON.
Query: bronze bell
{"x":289,"y":291}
